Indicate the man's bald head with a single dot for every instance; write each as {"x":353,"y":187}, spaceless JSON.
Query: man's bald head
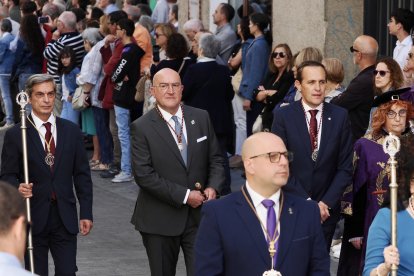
{"x":367,"y":45}
{"x":165,"y":73}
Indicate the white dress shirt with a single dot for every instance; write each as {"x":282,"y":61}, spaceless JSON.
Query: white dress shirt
{"x":42,"y":129}
{"x":318,"y":118}
{"x":401,"y":51}
{"x":261,"y":210}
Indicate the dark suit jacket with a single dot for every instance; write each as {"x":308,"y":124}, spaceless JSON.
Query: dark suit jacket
{"x":71,"y":168}
{"x":161,"y":174}
{"x":207,"y":85}
{"x":358,"y":99}
{"x":230,"y":240}
{"x":326,"y":178}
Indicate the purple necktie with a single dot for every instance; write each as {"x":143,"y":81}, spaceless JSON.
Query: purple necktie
{"x":271,"y":222}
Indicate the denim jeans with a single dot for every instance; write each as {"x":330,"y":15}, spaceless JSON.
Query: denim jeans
{"x":69,"y":113}
{"x":122,"y":121}
{"x":106,"y":146}
{"x":7,"y":101}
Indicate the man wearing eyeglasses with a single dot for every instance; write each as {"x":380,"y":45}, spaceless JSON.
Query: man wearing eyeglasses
{"x":359,"y":95}
{"x":12,"y":232}
{"x":178,"y":165}
{"x":237,"y":233}
{"x":319,"y":134}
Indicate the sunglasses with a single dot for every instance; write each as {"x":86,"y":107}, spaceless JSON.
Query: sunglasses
{"x":382,"y":73}
{"x":352,"y":49}
{"x":158,"y":35}
{"x":278,"y":54}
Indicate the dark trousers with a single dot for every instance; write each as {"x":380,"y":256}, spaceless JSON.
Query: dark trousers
{"x":61,"y":243}
{"x":106,"y":145}
{"x":162,"y":251}
{"x":223,"y":141}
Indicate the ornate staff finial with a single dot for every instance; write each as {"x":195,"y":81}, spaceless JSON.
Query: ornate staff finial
{"x":22,"y":99}
{"x":391,"y":145}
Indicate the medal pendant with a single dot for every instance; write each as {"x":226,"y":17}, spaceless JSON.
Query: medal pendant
{"x":272,"y":272}
{"x":314,"y":155}
{"x":180,"y":146}
{"x":49,"y":159}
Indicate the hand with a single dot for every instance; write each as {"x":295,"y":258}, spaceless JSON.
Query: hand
{"x":85,"y":226}
{"x":271,"y":92}
{"x":261,"y":88}
{"x":70,"y":99}
{"x":56,"y":35}
{"x":357,"y":243}
{"x":210,"y":193}
{"x":391,"y":256}
{"x":195,"y":199}
{"x":324,"y":211}
{"x":25,"y":190}
{"x":246,"y":105}
{"x":109,"y":39}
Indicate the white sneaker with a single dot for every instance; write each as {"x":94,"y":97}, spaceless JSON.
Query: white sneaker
{"x":122,"y":177}
{"x":7,"y":126}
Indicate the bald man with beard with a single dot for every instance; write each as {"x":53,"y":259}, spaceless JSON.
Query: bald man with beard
{"x":359,"y":95}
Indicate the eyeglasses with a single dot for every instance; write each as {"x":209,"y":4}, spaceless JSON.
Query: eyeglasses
{"x":352,"y":49}
{"x":392,"y":114}
{"x":410,"y":55}
{"x":164,"y":86}
{"x":382,"y":73}
{"x":276,"y":54}
{"x":274,"y":157}
{"x":157,"y":35}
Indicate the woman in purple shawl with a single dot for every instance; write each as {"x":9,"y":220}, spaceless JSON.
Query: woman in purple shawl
{"x":363,"y":198}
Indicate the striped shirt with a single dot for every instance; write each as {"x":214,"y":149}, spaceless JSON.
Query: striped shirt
{"x":53,"y":48}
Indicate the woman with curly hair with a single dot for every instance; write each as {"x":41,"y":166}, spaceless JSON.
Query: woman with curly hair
{"x":371,"y":179}
{"x":29,"y":54}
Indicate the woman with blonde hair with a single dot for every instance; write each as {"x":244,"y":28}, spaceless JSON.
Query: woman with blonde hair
{"x":335,"y":76}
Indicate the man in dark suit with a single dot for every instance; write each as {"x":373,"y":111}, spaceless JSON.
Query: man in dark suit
{"x":178,"y":165}
{"x":319,"y":135}
{"x":57,"y":162}
{"x":237,"y":232}
{"x":359,"y":95}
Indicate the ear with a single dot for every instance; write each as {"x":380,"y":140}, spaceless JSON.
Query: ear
{"x":152,"y":89}
{"x":248,"y":166}
{"x":298,"y":85}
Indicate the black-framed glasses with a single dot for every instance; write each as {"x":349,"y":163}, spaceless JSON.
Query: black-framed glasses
{"x":392,"y":114}
{"x":382,"y":73}
{"x":410,"y":55}
{"x":278,"y":54}
{"x":352,"y":49}
{"x":176,"y":86}
{"x":274,"y":157}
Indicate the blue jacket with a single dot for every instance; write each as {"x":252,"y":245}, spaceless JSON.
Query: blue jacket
{"x":25,"y":61}
{"x":70,"y":80}
{"x":255,"y":67}
{"x":6,"y":55}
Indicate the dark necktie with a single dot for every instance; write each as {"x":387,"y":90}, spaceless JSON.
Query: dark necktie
{"x":313,"y":129}
{"x":183,"y":142}
{"x":271,"y":223}
{"x":48,"y":137}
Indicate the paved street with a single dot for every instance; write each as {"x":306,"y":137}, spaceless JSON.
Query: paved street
{"x":114,"y":248}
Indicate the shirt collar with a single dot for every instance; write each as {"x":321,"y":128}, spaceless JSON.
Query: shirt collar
{"x":205,"y":59}
{"x":5,"y":34}
{"x":257,"y":198}
{"x":167,"y":116}
{"x":39,"y":123}
{"x":307,"y":107}
{"x":406,"y":41}
{"x":10,"y":259}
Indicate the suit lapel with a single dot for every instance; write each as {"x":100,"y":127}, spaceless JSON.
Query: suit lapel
{"x":252,"y":225}
{"x":164,"y":132}
{"x":302,"y":127}
{"x":34,"y":137}
{"x":61,"y":132}
{"x":287,"y":225}
{"x":190,"y":126}
{"x":327,"y":126}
